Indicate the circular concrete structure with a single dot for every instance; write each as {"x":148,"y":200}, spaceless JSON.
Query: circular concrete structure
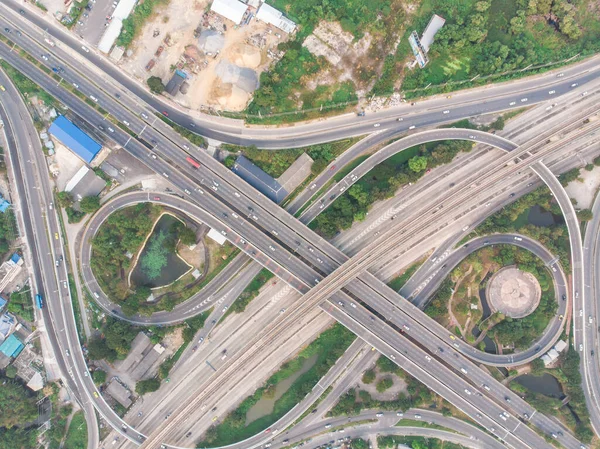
{"x":513,"y":292}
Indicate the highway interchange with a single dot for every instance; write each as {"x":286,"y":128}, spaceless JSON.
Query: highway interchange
{"x":301,"y":268}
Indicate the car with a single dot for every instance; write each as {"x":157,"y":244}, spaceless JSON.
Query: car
{"x":576,"y":294}
{"x":2,"y":88}
{"x":551,"y":92}
{"x":144,"y":116}
{"x":56,"y":235}
{"x":152,"y":155}
{"x":468,"y":391}
{"x":399,"y":414}
{"x":22,"y":12}
{"x":111,"y":130}
{"x":417,"y":416}
{"x":560,"y":317}
{"x":486,"y":387}
{"x":519,"y":239}
{"x":225,"y":309}
{"x":446,"y":112}
{"x":463,"y":370}
{"x":452,"y":337}
{"x":165,"y":113}
{"x":512,"y":103}
{"x":376,"y":125}
{"x":157,"y":198}
{"x":224,"y":232}
{"x":560,"y":75}
{"x":427,"y":358}
{"x":94,"y":99}
{"x":341,"y":303}
{"x":68,"y":353}
{"x":502,"y":416}
{"x":471,"y":137}
{"x":84,"y":48}
{"x":165,"y":175}
{"x":412,"y":127}
{"x":580,"y":312}
{"x":399,"y":119}
{"x":126,"y":123}
{"x":96,"y":394}
{"x":379,"y":415}
{"x":523,"y":100}
{"x":44,"y":57}
{"x":584,"y":94}
{"x":590,"y":319}
{"x":353,"y":305}
{"x":512,"y":195}
{"x":564,"y":297}
{"x":406,"y":328}
{"x":580,"y":347}
{"x":574,"y":84}
{"x":507,"y":399}
{"x":7,"y":30}
{"x":271,"y":248}
{"x":392,"y":357}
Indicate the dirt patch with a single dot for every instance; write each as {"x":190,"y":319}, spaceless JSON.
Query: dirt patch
{"x":513,"y":292}
{"x":388,"y":395}
{"x":194,"y":257}
{"x":196,"y":41}
{"x":584,"y":192}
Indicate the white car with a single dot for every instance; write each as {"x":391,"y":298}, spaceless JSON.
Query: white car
{"x":165,"y":175}
{"x":412,"y":127}
{"x":376,"y":125}
{"x":111,"y":129}
{"x":512,"y":103}
{"x":523,"y":100}
{"x":126,"y":123}
{"x":94,"y":98}
{"x":224,"y":309}
{"x":584,"y":94}
{"x":574,"y":85}
{"x":84,"y":48}
{"x":446,"y":111}
{"x":76,"y":86}
{"x":551,"y":92}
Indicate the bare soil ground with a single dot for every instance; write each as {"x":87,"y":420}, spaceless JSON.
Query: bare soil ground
{"x":584,"y":192}
{"x":176,"y":28}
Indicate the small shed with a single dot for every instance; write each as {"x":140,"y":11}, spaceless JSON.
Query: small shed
{"x":273,"y":16}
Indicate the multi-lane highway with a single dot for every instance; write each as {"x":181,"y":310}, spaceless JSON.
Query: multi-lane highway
{"x":44,"y":237}
{"x":272,"y":233}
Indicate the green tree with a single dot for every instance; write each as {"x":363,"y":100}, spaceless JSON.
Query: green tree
{"x":147,"y":386}
{"x":368,"y":376}
{"x":585,"y":215}
{"x":537,"y":367}
{"x":156,"y":85}
{"x":417,"y":163}
{"x":89,"y":204}
{"x":384,"y":384}
{"x":99,"y":376}
{"x":16,"y":398}
{"x":64,"y":199}
{"x":10,"y":371}
{"x":99,"y":350}
{"x":229,"y":161}
{"x":187,"y":236}
{"x":589,"y":167}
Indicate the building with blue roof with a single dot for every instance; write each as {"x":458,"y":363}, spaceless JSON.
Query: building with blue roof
{"x":12,"y":346}
{"x":15,"y":258}
{"x":3,"y":302}
{"x":4,"y":205}
{"x":75,"y":139}
{"x":260,"y":180}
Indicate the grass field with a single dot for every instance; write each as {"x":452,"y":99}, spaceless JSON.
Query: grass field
{"x":77,"y":433}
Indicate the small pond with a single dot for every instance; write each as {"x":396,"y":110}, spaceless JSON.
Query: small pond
{"x":545,"y":384}
{"x":490,"y":346}
{"x":540,"y":217}
{"x":158,"y":264}
{"x":266,"y":404}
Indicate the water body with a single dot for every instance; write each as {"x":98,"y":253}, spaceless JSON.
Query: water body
{"x":540,"y":217}
{"x":490,"y":346}
{"x":545,"y":384}
{"x":265,"y":405}
{"x":174,"y":268}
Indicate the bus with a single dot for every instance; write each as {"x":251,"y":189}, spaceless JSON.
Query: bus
{"x":193,"y":162}
{"x":39,"y":301}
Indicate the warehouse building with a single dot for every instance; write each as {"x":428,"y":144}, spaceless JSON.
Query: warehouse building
{"x":233,"y":10}
{"x":420,"y":47}
{"x":175,"y":82}
{"x":273,"y":16}
{"x":75,"y":139}
{"x":12,"y":346}
{"x":258,"y":179}
{"x":119,"y":14}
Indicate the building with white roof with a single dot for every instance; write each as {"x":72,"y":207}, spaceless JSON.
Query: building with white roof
{"x":120,"y":13}
{"x":233,"y":10}
{"x":273,"y":16}
{"x":216,"y":236}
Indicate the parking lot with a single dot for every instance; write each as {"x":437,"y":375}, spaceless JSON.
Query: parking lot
{"x":94,"y":20}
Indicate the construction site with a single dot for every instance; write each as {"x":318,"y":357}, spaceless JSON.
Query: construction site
{"x":208,"y":54}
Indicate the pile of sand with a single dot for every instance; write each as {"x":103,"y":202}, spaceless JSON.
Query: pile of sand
{"x":244,"y":55}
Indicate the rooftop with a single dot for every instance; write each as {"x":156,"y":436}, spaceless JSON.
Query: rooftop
{"x":12,"y":346}
{"x":74,"y":138}
{"x":258,"y":179}
{"x":233,"y":10}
